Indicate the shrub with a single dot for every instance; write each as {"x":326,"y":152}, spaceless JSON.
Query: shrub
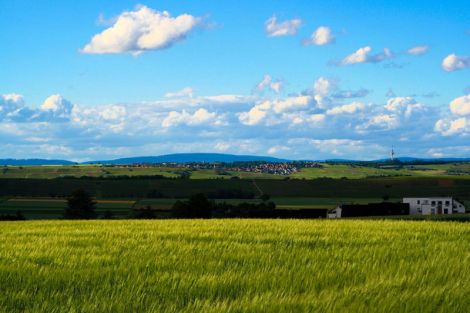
{"x":80,"y":205}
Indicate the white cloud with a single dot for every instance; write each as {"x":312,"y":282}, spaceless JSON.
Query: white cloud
{"x":346,"y":108}
{"x":397,"y":112}
{"x":362,"y":55}
{"x":183,"y":93}
{"x":285,"y":28}
{"x":461,"y":105}
{"x":222,"y":146}
{"x":346,"y":94}
{"x":269,"y":83}
{"x":418,"y":50}
{"x":199,"y":117}
{"x":276,"y":86}
{"x":454,"y":62}
{"x":10,"y":103}
{"x":141,"y":30}
{"x":385,"y":121}
{"x":12,"y":98}
{"x":291,"y":103}
{"x":323,"y":86}
{"x":113,"y":113}
{"x":341,"y":147}
{"x":456,"y":125}
{"x":148,"y":127}
{"x":254,"y":116}
{"x":323,"y":35}
{"x":58,"y":106}
{"x":276,"y":149}
{"x":260,"y":111}
{"x":452,"y":127}
{"x":405,"y":106}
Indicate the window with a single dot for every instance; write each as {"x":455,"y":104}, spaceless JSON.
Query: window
{"x":447,"y":203}
{"x":439,"y":202}
{"x":433,"y":203}
{"x":418,"y":202}
{"x":446,"y":211}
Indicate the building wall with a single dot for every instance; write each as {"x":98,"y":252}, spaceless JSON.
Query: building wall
{"x":434,"y":205}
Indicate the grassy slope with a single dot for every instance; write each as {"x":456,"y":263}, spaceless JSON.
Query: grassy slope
{"x":234,"y":266}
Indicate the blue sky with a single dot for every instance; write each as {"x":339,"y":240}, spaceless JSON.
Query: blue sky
{"x":294,"y":79}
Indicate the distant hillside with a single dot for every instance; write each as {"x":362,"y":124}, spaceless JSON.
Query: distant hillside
{"x":210,"y":157}
{"x":400,"y":159}
{"x":24,"y":162}
{"x":190,"y":157}
{"x":437,"y":160}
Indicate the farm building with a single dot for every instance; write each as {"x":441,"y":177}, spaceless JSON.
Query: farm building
{"x":434,"y":205}
{"x":371,"y":209}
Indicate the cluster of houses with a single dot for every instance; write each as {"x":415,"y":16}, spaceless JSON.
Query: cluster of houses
{"x":277,"y":168}
{"x":409,"y":206}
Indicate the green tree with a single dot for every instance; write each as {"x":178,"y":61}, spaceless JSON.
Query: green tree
{"x":197,"y":206}
{"x":265,"y":197}
{"x":80,"y":205}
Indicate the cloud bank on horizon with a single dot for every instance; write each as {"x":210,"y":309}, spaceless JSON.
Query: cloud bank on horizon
{"x":338,"y":114}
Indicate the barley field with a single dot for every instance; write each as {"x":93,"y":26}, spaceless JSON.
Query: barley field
{"x":234,"y":266}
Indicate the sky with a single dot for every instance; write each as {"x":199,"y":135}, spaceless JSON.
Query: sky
{"x":90,"y":80}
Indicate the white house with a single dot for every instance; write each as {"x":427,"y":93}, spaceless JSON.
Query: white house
{"x":434,"y":205}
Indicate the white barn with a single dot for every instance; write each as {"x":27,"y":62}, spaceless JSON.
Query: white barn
{"x":434,"y":205}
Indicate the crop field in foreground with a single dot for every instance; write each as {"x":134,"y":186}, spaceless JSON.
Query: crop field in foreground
{"x":234,"y":266}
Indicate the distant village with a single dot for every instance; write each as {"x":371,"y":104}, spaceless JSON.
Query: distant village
{"x":277,"y":168}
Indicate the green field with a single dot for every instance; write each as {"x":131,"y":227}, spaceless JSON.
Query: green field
{"x":351,"y":171}
{"x":234,"y":266}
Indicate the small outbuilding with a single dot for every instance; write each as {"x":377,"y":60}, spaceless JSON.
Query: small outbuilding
{"x":371,"y":209}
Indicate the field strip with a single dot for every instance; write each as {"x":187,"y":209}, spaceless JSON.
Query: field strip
{"x":258,"y":188}
{"x":35,"y":200}
{"x":63,"y":201}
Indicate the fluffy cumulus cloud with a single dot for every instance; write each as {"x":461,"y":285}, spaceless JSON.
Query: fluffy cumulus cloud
{"x":269,"y":83}
{"x":364,"y":55}
{"x":274,"y":28}
{"x":183,"y":93}
{"x":323,"y":35}
{"x":448,"y":127}
{"x":57,"y":106}
{"x":199,"y":117}
{"x":10,"y":103}
{"x":141,"y":30}
{"x":418,"y":50}
{"x":454,"y":62}
{"x":315,"y":123}
{"x":398,"y":112}
{"x":323,"y":86}
{"x":255,"y":115}
{"x":278,"y":111}
{"x":459,"y":122}
{"x":461,"y":105}
{"x":340,"y":147}
{"x":277,"y":149}
{"x":347,"y":108}
{"x":346,"y":94}
{"x":404,"y":106}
